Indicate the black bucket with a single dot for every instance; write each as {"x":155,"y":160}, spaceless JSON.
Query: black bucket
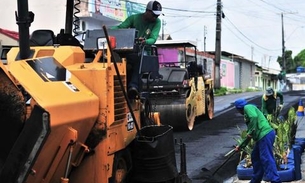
{"x":154,"y":155}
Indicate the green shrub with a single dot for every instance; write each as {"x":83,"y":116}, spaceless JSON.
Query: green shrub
{"x":234,"y":90}
{"x":221,"y":91}
{"x":251,"y":89}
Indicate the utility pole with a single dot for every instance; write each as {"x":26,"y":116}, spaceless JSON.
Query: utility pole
{"x":284,"y":68}
{"x":163,"y":25}
{"x":283,"y":46}
{"x":204,"y":38}
{"x":252,"y":50}
{"x":218,"y":44}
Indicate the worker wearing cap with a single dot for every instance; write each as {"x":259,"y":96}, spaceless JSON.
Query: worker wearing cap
{"x":259,"y":129}
{"x":148,"y":26}
{"x":269,"y":101}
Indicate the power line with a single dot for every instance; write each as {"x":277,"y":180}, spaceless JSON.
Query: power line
{"x":259,"y":13}
{"x":182,"y":28}
{"x":243,"y":41}
{"x":186,"y":14}
{"x":247,"y":37}
{"x":270,"y":4}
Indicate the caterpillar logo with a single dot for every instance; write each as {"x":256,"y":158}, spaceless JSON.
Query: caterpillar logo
{"x":130,"y":122}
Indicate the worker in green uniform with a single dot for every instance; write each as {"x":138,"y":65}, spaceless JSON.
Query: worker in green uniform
{"x":269,"y":101}
{"x":259,"y":129}
{"x":148,"y":26}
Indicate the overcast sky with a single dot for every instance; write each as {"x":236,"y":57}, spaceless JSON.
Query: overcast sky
{"x":251,"y":28}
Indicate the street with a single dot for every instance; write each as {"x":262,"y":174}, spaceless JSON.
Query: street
{"x":210,"y":140}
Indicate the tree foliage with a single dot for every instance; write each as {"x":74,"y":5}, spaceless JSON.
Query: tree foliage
{"x":292,"y":63}
{"x":300,"y":58}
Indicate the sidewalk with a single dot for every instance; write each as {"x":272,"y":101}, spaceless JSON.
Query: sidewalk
{"x":299,"y":134}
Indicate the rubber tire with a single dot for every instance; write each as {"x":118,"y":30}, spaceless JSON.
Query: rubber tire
{"x":243,"y":173}
{"x":291,"y":155}
{"x":209,"y":109}
{"x":300,"y":142}
{"x":122,"y":160}
{"x":12,"y":115}
{"x":286,"y":175}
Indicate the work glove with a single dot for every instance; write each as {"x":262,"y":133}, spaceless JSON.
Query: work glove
{"x":280,"y":107}
{"x":244,"y":143}
{"x":237,"y":149}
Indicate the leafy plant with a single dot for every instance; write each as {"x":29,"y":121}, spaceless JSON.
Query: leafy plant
{"x":285,"y":135}
{"x":293,"y":124}
{"x":245,"y":152}
{"x":281,"y":144}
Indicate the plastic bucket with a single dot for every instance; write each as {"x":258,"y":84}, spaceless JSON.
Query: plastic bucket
{"x":154,"y":155}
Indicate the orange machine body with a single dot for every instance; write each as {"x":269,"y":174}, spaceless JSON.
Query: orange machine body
{"x":81,"y":100}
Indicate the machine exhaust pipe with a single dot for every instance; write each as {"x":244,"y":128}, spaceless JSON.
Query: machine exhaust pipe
{"x":24,"y":18}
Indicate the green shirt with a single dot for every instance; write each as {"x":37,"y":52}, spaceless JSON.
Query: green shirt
{"x":148,"y":30}
{"x":269,"y":103}
{"x":257,"y":125}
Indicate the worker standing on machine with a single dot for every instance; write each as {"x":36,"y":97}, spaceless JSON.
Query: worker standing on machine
{"x":148,"y":26}
{"x":269,"y":101}
{"x":259,"y":129}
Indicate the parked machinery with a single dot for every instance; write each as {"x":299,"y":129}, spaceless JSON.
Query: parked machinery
{"x":185,"y":90}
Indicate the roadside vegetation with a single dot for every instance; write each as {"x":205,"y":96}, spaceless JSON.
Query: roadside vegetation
{"x":227,"y":91}
{"x":285,"y":137}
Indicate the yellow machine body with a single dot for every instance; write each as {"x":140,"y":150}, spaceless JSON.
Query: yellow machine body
{"x":81,"y":99}
{"x":195,"y":103}
{"x":185,"y":92}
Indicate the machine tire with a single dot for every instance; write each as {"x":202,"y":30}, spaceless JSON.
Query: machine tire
{"x":121,"y":165}
{"x":190,"y":115}
{"x":209,"y":105}
{"x":12,"y":114}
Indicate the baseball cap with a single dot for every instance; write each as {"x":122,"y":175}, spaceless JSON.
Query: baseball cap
{"x":155,"y":7}
{"x":269,"y":91}
{"x":240,"y":103}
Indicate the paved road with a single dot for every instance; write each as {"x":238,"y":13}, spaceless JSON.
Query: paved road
{"x":210,"y":140}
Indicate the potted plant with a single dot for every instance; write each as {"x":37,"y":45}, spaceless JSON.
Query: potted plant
{"x":285,"y":135}
{"x":245,"y":153}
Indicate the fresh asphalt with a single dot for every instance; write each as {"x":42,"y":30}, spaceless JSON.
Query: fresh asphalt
{"x":218,"y":170}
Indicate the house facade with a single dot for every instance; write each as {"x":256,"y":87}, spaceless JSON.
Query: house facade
{"x":8,"y":37}
{"x":235,"y":71}
{"x":265,"y":77}
{"x":245,"y":71}
{"x":93,"y":14}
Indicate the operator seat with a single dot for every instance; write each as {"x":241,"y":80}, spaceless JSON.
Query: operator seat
{"x":42,"y":37}
{"x":66,"y":39}
{"x":149,"y":67}
{"x":150,"y":63}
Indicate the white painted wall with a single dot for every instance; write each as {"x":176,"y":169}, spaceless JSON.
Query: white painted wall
{"x":5,"y":40}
